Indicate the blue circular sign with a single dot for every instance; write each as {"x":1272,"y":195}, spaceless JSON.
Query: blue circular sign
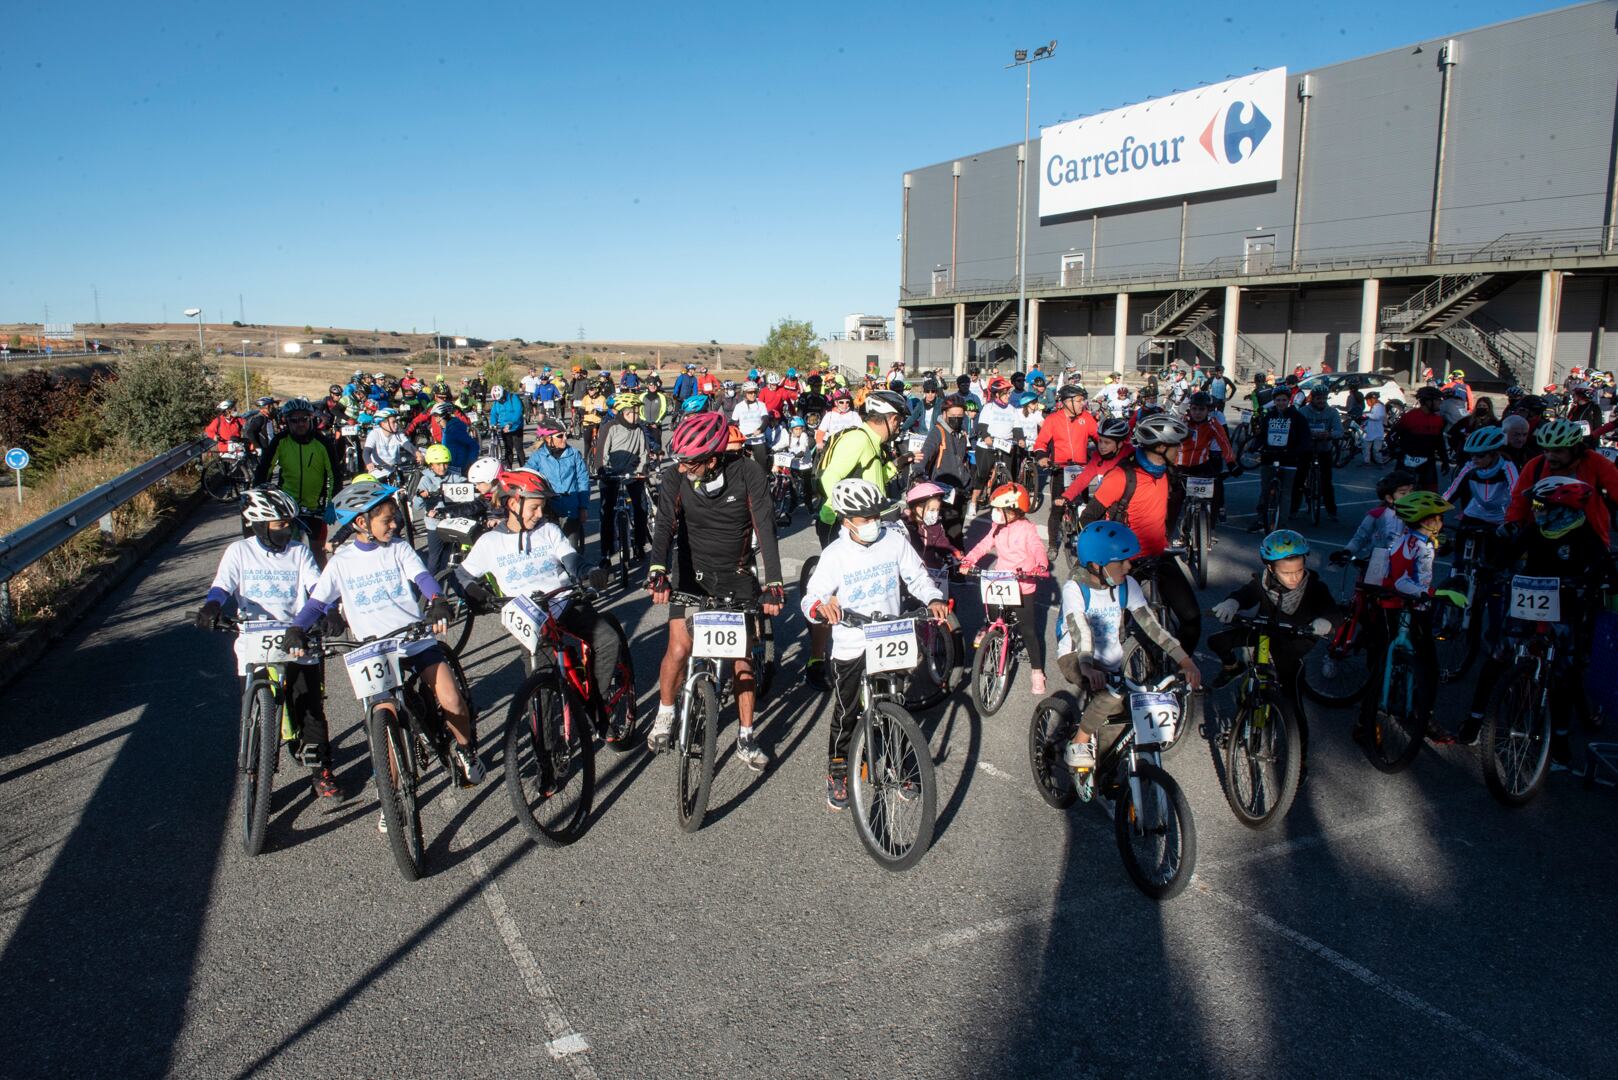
{"x":17,"y":458}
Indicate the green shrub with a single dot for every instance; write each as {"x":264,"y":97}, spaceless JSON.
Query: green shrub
{"x":161,"y":398}
{"x":499,"y":370}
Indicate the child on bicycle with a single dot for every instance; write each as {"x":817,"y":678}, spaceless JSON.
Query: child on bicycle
{"x":1379,"y":530}
{"x":428,"y":503}
{"x":1014,"y":543}
{"x":861,"y":571}
{"x":1090,"y":636}
{"x":267,"y":575}
{"x":923,"y":519}
{"x":372,"y":577}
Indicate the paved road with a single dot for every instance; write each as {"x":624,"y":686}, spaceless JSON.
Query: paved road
{"x":1391,"y":926}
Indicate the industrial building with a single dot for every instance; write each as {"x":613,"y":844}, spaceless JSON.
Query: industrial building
{"x":1445,"y":203}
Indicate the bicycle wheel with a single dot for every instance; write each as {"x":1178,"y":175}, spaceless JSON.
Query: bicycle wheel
{"x":625,"y":541}
{"x":395,"y":768}
{"x":1028,"y":477}
{"x":221,"y":480}
{"x":1516,"y":737}
{"x":261,"y":740}
{"x":1250,"y":452}
{"x":1336,"y":672}
{"x":1156,"y":834}
{"x":1392,"y":739}
{"x":1263,"y":759}
{"x":1342,"y":451}
{"x":891,"y":787}
{"x":935,"y":675}
{"x":458,"y":631}
{"x":1311,"y":492}
{"x":1454,"y":641}
{"x":550,"y":762}
{"x":991,"y":684}
{"x":618,"y":699}
{"x":698,"y":749}
{"x":1051,"y":729}
{"x":1197,"y":546}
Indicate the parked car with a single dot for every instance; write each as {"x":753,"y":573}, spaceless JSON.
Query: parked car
{"x":1338,"y":383}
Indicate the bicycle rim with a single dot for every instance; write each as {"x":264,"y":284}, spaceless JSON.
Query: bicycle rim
{"x":1199,"y":547}
{"x":697,"y":753}
{"x":1262,"y":763}
{"x":550,"y":764}
{"x":1452,"y":642}
{"x":1049,"y":732}
{"x":258,"y":781}
{"x":1516,"y":739}
{"x":1394,"y":739}
{"x":891,"y":787}
{"x":989,"y":683}
{"x":1155,"y":833}
{"x":394,"y":766}
{"x":1334,"y":675}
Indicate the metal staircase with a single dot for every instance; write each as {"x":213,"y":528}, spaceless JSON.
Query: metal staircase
{"x":1443,"y":302}
{"x":1052,"y":356}
{"x":1182,"y":312}
{"x":991,"y":321}
{"x":1249,"y":357}
{"x":1493,"y":346}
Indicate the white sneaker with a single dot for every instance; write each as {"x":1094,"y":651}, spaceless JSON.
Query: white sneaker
{"x":468,"y":765}
{"x":748,"y":751}
{"x":382,"y":823}
{"x":658,"y":739}
{"x":1080,"y":755}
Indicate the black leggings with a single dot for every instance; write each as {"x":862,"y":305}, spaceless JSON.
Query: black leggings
{"x":847,"y":676}
{"x":1286,"y":653}
{"x":609,"y":519}
{"x":1027,"y":621}
{"x":301,"y":683}
{"x":1328,"y":494}
{"x":511,"y":448}
{"x":1177,"y":595}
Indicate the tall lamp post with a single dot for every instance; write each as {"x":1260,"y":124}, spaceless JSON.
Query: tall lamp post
{"x":196,"y":313}
{"x":244,"y":369}
{"x":1021,"y":59}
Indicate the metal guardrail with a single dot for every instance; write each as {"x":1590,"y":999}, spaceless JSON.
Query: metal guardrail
{"x":40,"y":537}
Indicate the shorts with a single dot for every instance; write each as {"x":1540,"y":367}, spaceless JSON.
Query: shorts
{"x":742,"y":585}
{"x":426,"y":658}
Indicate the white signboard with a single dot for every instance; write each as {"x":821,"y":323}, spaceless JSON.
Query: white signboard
{"x":1220,"y":136}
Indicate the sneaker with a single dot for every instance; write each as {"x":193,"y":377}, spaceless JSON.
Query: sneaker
{"x":749,"y":752}
{"x":1229,"y":670}
{"x":1470,"y":730}
{"x":1037,"y":680}
{"x":325,"y":784}
{"x":1257,"y":526}
{"x":837,"y":792}
{"x":657,"y":740}
{"x":1080,"y":755}
{"x":468,"y":765}
{"x":382,"y":823}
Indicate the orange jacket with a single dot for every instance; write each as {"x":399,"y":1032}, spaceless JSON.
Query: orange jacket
{"x":1203,"y":438}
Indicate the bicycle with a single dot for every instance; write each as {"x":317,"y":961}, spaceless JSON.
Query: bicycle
{"x":228,"y":472}
{"x":1275,"y":491}
{"x":1312,"y":497}
{"x":1458,"y":629}
{"x":1199,"y":526}
{"x":623,"y":527}
{"x":934,"y":676}
{"x":891,"y":784}
{"x":403,"y":733}
{"x":1152,"y":822}
{"x":1028,"y":477}
{"x":1393,"y":722}
{"x":1263,"y":744}
{"x":458,"y":534}
{"x":352,"y":439}
{"x":547,"y":741}
{"x":995,"y":664}
{"x":1337,"y":672}
{"x":783,"y":488}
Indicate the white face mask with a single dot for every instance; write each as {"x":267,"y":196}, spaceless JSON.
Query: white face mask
{"x":868,"y":533}
{"x":714,"y":483}
{"x":929,"y":517}
{"x":997,"y":516}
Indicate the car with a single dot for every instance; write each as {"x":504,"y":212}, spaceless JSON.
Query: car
{"x":1338,"y":383}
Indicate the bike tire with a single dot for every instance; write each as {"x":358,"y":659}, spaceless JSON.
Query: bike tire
{"x":1334,"y":675}
{"x":1391,"y":741}
{"x":764,"y":663}
{"x":619,"y":698}
{"x":1513,"y":718}
{"x":394,"y":766}
{"x":1250,"y":453}
{"x":1198,"y":548}
{"x":990,"y":685}
{"x":890,"y":777}
{"x":1028,"y":477}
{"x":1163,"y":822}
{"x":936,"y":670}
{"x":459,"y":629}
{"x":1263,"y":729}
{"x":1342,"y":452}
{"x":1049,"y":731}
{"x":542,"y":761}
{"x":699,"y":752}
{"x":220,"y":480}
{"x":261,"y":734}
{"x":1454,"y":644}
{"x":625,"y":538}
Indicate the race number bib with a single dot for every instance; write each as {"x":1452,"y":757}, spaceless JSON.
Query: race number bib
{"x":1070,"y":473}
{"x":1536,"y":599}
{"x":373,"y":669}
{"x":1414,"y":462}
{"x":783,"y":460}
{"x":1277,"y":432}
{"x":720,"y":635}
{"x":459,"y":492}
{"x":524,"y":621}
{"x":548,"y":406}
{"x":915,"y":442}
{"x":1199,"y":487}
{"x":266,"y":643}
{"x":1156,"y":716}
{"x":1609,"y":452}
{"x":890,"y":646}
{"x":350,"y":430}
{"x":1584,"y":426}
{"x":940,"y":579}
{"x":459,"y":524}
{"x":1002,"y":445}
{"x":999,"y":587}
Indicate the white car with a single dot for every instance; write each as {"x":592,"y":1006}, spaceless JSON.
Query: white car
{"x":1337,"y":384}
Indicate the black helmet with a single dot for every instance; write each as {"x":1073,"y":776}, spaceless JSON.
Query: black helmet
{"x":1390,"y":483}
{"x":1071,"y":391}
{"x":1429,"y":393}
{"x":1203,"y":398}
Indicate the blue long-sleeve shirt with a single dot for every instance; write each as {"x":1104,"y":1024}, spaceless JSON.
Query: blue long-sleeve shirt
{"x":461,"y":443}
{"x":506,"y":414}
{"x":567,"y":476}
{"x":684,"y":387}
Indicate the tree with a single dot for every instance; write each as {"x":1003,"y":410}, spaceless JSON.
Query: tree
{"x":790,"y":344}
{"x":161,"y":398}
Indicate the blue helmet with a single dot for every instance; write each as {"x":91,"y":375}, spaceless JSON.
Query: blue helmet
{"x":1024,"y":398}
{"x":357,"y":498}
{"x":695,"y":403}
{"x":796,"y":421}
{"x":1103,"y":542}
{"x":1283,"y":544}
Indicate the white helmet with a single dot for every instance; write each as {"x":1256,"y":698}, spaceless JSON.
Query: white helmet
{"x":857,"y":498}
{"x":485,"y":470}
{"x":267,"y":504}
{"x":227,"y":405}
{"x":497,"y":391}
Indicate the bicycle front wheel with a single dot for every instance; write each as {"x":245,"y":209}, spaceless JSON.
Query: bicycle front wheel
{"x":1049,"y":732}
{"x":623,"y":716}
{"x":261,"y":741}
{"x":1516,"y":738}
{"x":550,"y":763}
{"x":1156,"y":834}
{"x":1263,"y":760}
{"x":1454,"y":641}
{"x":1336,"y":672}
{"x":395,"y":768}
{"x":891,"y":787}
{"x":221,"y":480}
{"x":698,"y":749}
{"x":1392,"y":735}
{"x":1197,"y":549}
{"x":1028,"y":477}
{"x":935,"y":675}
{"x":992,"y":669}
{"x":458,"y":631}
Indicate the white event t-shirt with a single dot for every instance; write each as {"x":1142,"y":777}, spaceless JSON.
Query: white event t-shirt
{"x":376,"y":586}
{"x":865,"y":578}
{"x":267,"y":585}
{"x":523,"y":563}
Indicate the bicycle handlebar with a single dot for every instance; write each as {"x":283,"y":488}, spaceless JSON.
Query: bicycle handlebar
{"x":1269,"y":622}
{"x":855,"y":618}
{"x":729,"y":602}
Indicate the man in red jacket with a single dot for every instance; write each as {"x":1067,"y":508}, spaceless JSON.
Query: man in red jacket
{"x":773,"y":397}
{"x":1063,"y":441}
{"x":226,"y":427}
{"x":1565,"y":455}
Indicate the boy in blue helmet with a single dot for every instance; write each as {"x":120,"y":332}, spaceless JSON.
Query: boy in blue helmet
{"x":1090,"y":635}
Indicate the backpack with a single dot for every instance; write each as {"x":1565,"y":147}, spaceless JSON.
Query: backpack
{"x":1119,"y":511}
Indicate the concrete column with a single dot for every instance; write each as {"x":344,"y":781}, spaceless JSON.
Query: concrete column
{"x":1370,"y":298}
{"x":899,"y":352}
{"x":958,"y":339}
{"x":1033,"y":337}
{"x":1120,"y":332}
{"x":1230,"y":319}
{"x":1550,"y":318}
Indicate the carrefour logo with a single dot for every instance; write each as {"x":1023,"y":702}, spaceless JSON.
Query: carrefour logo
{"x":1237,"y":130}
{"x":1243,"y":122}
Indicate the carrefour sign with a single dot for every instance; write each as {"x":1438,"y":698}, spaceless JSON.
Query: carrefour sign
{"x":1221,"y":136}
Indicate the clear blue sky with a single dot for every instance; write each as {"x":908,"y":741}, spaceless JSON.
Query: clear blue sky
{"x":667,"y":171}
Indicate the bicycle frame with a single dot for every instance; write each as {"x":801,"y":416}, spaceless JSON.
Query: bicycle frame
{"x":1400,"y":646}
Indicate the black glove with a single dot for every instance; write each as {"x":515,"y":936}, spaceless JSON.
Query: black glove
{"x":332,"y":624}
{"x":658,"y":581}
{"x":1234,"y":471}
{"x":1341,"y":557}
{"x":775,"y":594}
{"x":1508,"y":530}
{"x":480,"y":597}
{"x":296,"y":639}
{"x":208,"y":616}
{"x":438,"y":610}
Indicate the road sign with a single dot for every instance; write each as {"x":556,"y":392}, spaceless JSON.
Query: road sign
{"x":16,"y":458}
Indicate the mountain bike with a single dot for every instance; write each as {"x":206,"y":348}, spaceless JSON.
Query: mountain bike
{"x":1152,"y":822}
{"x":891,"y":785}
{"x":406,"y":732}
{"x":1311,"y":489}
{"x":1275,"y":491}
{"x":1458,"y":629}
{"x":1393,"y":720}
{"x":1198,"y":526}
{"x":352,"y":447}
{"x":623,"y":527}
{"x":229,"y":472}
{"x":1263,"y":743}
{"x":1028,"y":477}
{"x":783,"y":488}
{"x":933,"y":678}
{"x":457,"y":534}
{"x":995,"y":665}
{"x":1337,"y":671}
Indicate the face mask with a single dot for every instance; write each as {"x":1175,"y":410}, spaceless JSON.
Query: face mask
{"x":997,"y":516}
{"x":558,"y":451}
{"x":929,"y":517}
{"x":954,"y":422}
{"x":868,"y":533}
{"x":713,"y":484}
{"x":274,"y":539}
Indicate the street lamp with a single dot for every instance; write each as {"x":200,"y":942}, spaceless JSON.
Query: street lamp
{"x":1020,"y":58}
{"x":244,"y":371}
{"x":196,"y":313}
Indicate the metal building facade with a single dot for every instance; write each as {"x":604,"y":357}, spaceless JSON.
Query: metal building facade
{"x":1456,"y":207}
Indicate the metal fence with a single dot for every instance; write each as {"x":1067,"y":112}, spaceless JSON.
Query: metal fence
{"x":40,"y":537}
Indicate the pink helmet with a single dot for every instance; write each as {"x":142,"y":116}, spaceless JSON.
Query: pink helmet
{"x":924,"y":490}
{"x":545,"y":431}
{"x":701,"y":435}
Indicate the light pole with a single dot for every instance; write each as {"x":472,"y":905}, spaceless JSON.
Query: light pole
{"x":244,"y":370}
{"x":1021,"y":59}
{"x":196,"y":313}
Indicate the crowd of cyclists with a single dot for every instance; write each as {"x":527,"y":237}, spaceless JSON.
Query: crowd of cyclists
{"x":692,"y":481}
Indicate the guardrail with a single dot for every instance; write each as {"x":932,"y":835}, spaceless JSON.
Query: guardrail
{"x":40,"y":537}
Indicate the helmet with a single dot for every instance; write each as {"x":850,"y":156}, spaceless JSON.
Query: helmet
{"x":838,"y":396}
{"x":1024,"y":399}
{"x":1559,"y":435}
{"x":733,"y":438}
{"x":1457,"y":373}
{"x":226,"y":405}
{"x":542,"y":430}
{"x":1559,"y":505}
{"x":1010,"y":497}
{"x":295,"y":406}
{"x":380,"y":375}
{"x":1561,"y":491}
{"x":792,"y":373}
{"x":386,"y":414}
{"x":1104,"y":542}
{"x":1282,"y":544}
{"x":1070,"y":391}
{"x":1420,"y":505}
{"x":1392,"y":482}
{"x":362,"y":478}
{"x":497,"y":391}
{"x":524,"y":484}
{"x":1513,"y":392}
{"x":1115,"y":428}
{"x":773,"y":379}
{"x":1203,"y":398}
{"x":627,"y":400}
{"x":443,"y":408}
{"x":267,"y":504}
{"x":924,"y":490}
{"x":485,"y":470}
{"x":1484,"y":440}
{"x":854,"y":497}
{"x":796,"y":421}
{"x":752,"y":377}
{"x":750,"y":386}
{"x":997,"y":384}
{"x":699,"y":436}
{"x":334,"y":390}
{"x":695,"y":403}
{"x":437,"y":454}
{"x":885,"y":402}
{"x":359,"y":498}
{"x":1160,"y":429}
{"x":1582,"y":390}
{"x":577,"y":370}
{"x":1429,"y":393}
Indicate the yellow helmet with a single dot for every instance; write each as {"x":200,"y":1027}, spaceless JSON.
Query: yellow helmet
{"x":437,"y":454}
{"x":362,"y":478}
{"x":626,"y":400}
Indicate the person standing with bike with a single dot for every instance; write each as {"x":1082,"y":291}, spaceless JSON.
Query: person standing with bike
{"x":859,"y":571}
{"x":564,"y":469}
{"x":226,"y":427}
{"x":621,"y":456}
{"x":386,"y":447}
{"x":1282,"y":436}
{"x":1013,"y":542}
{"x":505,"y":418}
{"x":1325,"y":428}
{"x":996,"y":433}
{"x":1064,"y":440}
{"x":944,"y":462}
{"x":1206,"y":450}
{"x":305,"y":467}
{"x":1420,"y":438}
{"x":715,"y":506}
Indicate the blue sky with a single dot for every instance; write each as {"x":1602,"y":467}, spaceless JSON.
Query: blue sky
{"x":659,"y":171}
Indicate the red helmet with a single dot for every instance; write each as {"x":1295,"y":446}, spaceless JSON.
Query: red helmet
{"x":701,"y":435}
{"x":997,"y":384}
{"x":1562,"y":491}
{"x":1010,"y":497}
{"x":524,"y":484}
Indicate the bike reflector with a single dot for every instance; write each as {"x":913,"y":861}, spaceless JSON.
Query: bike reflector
{"x":374,"y":669}
{"x":1156,"y":717}
{"x":890,"y":646}
{"x":1536,"y":599}
{"x":999,"y":587}
{"x":524,"y":620}
{"x":719,"y":635}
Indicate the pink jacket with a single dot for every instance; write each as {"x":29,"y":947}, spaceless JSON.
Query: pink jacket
{"x":1016,"y":546}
